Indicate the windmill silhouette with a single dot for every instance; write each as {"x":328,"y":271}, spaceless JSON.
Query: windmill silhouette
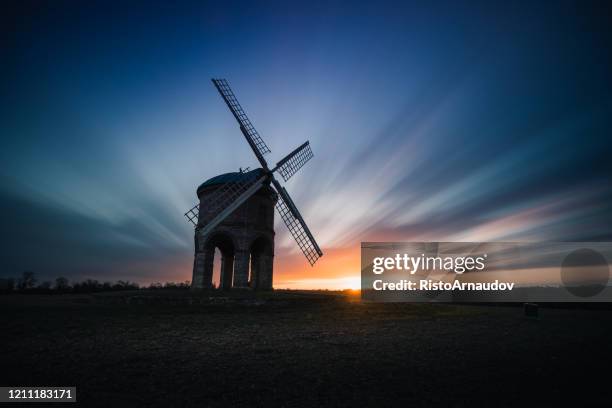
{"x":221,"y":197}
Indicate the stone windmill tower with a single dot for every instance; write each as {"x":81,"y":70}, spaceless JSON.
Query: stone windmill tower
{"x":235,"y":213}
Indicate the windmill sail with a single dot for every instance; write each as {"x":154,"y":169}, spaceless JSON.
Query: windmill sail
{"x":294,"y":161}
{"x":255,"y":141}
{"x":192,"y":214}
{"x":228,"y":197}
{"x":296,"y":225}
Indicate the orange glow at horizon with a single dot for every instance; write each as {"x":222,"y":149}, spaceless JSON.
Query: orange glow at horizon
{"x":338,"y":269}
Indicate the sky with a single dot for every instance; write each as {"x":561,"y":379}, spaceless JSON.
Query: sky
{"x":441,"y":121}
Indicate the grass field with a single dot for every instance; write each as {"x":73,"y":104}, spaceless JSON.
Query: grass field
{"x":301,"y":349}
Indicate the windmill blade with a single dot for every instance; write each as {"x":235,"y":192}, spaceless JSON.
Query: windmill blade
{"x":228,"y":198}
{"x":296,"y":225}
{"x":248,"y":130}
{"x":192,"y":214}
{"x":294,"y":161}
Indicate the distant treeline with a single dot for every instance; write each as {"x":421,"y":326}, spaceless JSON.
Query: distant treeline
{"x":28,"y":283}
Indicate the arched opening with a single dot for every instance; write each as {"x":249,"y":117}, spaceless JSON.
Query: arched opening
{"x":260,"y":264}
{"x":221,"y":248}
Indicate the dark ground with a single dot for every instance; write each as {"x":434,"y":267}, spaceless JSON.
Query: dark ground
{"x":296,"y":349}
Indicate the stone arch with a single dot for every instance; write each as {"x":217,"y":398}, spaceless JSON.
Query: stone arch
{"x":226,"y":245}
{"x":261,"y":253}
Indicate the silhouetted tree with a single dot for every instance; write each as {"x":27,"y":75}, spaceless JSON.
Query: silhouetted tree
{"x":27,"y":281}
{"x":88,"y":286}
{"x":61,"y":284}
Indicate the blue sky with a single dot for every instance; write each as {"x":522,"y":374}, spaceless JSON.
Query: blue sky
{"x":428,"y":121}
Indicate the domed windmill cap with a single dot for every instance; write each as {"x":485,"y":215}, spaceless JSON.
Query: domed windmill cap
{"x":233,"y":177}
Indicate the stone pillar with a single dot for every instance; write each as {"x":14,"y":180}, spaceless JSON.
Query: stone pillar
{"x":265,"y":272}
{"x":203,"y":269}
{"x":254,"y":278}
{"x":227,"y":271}
{"x":241,"y":269}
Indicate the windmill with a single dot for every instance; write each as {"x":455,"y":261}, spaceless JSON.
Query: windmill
{"x":230,"y":195}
